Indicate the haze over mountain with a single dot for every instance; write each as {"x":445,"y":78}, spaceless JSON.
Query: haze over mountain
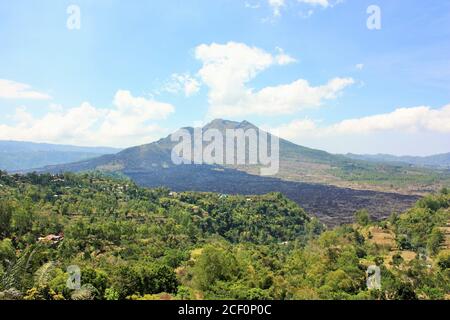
{"x":312,"y":178}
{"x":21,"y":155}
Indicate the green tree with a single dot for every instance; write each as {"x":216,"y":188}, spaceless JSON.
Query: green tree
{"x":111,"y":294}
{"x":157,"y":278}
{"x":97,"y":278}
{"x":126,"y":281}
{"x":362,"y":217}
{"x":6,"y":211}
{"x":7,"y":253}
{"x":435,"y":240}
{"x":22,"y":221}
{"x":214,"y":264}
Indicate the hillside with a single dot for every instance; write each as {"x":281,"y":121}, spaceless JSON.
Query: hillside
{"x":440,"y":161}
{"x":134,"y":243}
{"x":20,"y":155}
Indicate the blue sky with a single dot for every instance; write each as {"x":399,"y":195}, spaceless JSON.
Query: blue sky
{"x":309,"y":70}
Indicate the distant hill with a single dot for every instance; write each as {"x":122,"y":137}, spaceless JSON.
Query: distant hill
{"x":434,"y":161}
{"x":19,"y":155}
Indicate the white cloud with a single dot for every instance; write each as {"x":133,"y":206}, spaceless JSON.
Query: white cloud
{"x":128,"y":123}
{"x":15,"y":90}
{"x":276,"y":6}
{"x":141,"y":107}
{"x":322,"y":3}
{"x":406,"y":119}
{"x":359,"y":66}
{"x":283,"y":58}
{"x":392,"y":132}
{"x":227,"y":69}
{"x":182,"y":83}
{"x":252,"y":5}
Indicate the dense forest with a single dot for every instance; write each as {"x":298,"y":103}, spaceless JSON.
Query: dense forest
{"x":136,"y":243}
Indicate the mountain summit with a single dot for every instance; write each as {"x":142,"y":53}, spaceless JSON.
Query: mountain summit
{"x":222,"y":124}
{"x":157,"y":155}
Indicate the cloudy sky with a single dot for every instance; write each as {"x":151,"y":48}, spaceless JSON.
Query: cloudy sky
{"x":123,"y":73}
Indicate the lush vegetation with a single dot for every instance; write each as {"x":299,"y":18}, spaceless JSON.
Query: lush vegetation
{"x":391,"y":175}
{"x":136,"y":243}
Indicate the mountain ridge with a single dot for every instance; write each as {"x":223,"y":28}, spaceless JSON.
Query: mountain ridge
{"x":25,"y":155}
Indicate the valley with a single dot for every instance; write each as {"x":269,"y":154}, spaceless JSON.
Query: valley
{"x":332,"y":205}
